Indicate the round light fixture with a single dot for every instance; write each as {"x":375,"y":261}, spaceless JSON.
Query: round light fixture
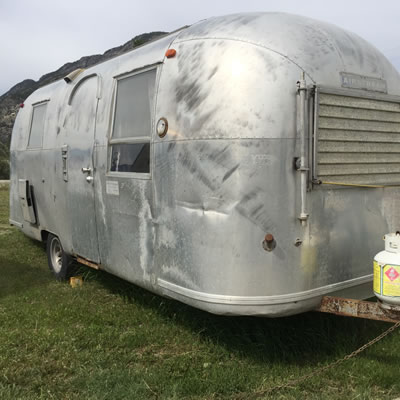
{"x":162,"y":127}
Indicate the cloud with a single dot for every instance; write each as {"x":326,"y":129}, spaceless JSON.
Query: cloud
{"x":40,"y":36}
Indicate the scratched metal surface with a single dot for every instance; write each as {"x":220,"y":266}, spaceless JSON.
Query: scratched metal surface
{"x":223,"y":176}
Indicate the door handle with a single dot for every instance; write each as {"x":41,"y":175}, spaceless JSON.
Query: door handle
{"x":89,"y":179}
{"x":87,"y":170}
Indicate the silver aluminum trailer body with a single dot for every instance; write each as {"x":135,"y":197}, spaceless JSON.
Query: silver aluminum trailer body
{"x":246,"y":150}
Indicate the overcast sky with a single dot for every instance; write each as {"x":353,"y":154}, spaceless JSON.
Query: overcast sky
{"x":39,"y":36}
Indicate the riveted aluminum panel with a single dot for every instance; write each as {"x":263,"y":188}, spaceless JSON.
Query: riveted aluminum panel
{"x":324,"y":51}
{"x":79,"y":131}
{"x":223,"y":175}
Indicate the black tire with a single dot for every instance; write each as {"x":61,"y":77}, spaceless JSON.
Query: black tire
{"x":60,"y":263}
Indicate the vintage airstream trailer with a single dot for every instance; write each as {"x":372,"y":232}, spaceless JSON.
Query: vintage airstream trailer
{"x":245,"y":165}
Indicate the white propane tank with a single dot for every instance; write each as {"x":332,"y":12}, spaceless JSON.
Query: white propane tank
{"x":387,"y":270}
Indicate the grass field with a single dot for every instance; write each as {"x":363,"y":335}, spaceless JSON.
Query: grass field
{"x":112,"y":340}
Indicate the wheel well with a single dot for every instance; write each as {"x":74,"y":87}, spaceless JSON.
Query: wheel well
{"x":44,"y":235}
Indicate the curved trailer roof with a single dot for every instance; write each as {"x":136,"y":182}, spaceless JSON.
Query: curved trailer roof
{"x":320,"y":49}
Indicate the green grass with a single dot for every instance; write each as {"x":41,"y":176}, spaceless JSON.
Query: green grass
{"x":113,"y":340}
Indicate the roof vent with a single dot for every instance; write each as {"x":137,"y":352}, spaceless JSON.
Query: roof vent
{"x":71,"y":76}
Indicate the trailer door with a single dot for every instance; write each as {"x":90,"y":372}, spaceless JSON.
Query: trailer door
{"x":79,"y":169}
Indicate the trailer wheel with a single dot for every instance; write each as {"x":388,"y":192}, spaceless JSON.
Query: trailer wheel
{"x":59,"y":262}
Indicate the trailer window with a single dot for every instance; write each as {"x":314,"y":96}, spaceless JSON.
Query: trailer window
{"x":134,"y":104}
{"x":130,"y":141}
{"x":37,"y":126}
{"x":130,"y":157}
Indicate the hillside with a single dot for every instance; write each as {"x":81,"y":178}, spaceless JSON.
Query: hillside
{"x":9,"y":102}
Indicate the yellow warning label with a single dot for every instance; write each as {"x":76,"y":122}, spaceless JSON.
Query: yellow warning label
{"x":391,"y":280}
{"x":377,"y":277}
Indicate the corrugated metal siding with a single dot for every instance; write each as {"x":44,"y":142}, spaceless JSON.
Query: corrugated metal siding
{"x":357,"y":140}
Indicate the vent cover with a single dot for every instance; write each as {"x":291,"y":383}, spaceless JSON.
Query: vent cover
{"x":357,"y":139}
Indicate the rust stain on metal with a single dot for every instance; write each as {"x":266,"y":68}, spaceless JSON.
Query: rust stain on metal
{"x":269,"y":242}
{"x":87,"y":263}
{"x":359,"y":309}
{"x":269,"y":238}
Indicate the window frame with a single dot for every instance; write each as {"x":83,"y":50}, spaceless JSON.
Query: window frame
{"x":137,"y":139}
{"x":34,"y":105}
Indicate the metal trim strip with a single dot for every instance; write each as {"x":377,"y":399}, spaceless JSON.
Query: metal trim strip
{"x":138,"y":70}
{"x":315,"y":134}
{"x":359,"y":93}
{"x":16,"y":223}
{"x":78,"y":85}
{"x":130,"y":140}
{"x":38,"y":103}
{"x":261,"y":300}
{"x":130,"y":175}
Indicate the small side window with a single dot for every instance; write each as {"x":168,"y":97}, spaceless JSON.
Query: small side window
{"x":130,"y":157}
{"x":37,"y":126}
{"x":130,"y":141}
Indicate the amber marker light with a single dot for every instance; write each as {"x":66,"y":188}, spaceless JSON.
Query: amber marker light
{"x":170,"y":53}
